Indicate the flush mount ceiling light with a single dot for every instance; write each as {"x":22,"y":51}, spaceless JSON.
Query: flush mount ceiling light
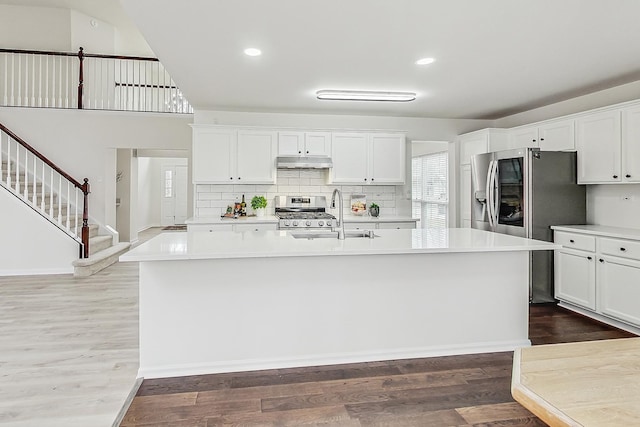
{"x":252,"y":51}
{"x":425,"y":61}
{"x":365,"y":95}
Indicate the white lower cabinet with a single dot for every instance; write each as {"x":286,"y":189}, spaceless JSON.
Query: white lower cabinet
{"x":232,"y":227}
{"x":575,"y":277}
{"x":619,"y":288}
{"x":599,"y":273}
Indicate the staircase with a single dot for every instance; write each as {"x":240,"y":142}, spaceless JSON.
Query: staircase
{"x":58,"y":207}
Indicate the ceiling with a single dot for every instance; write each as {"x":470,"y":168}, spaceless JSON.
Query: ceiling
{"x":493,"y":57}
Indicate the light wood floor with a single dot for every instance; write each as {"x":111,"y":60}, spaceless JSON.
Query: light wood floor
{"x":68,"y":346}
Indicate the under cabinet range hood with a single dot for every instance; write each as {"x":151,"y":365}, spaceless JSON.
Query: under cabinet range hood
{"x":298,"y":162}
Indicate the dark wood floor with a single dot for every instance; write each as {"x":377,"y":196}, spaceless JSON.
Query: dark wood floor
{"x":469,"y":390}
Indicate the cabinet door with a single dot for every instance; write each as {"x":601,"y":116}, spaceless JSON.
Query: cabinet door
{"x":350,"y":155}
{"x":631,"y":144}
{"x":598,"y":143}
{"x":523,"y":137}
{"x":387,"y":165}
{"x":256,"y":155}
{"x":575,"y":277}
{"x":619,"y":289}
{"x":290,"y":143}
{"x":557,"y":136}
{"x":213,"y":155}
{"x":470,"y":145}
{"x":396,"y":225}
{"x":317,"y":143}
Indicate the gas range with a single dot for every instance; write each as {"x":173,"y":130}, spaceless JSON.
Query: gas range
{"x":303,"y":212}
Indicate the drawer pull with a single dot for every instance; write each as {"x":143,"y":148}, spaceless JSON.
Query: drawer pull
{"x":572,"y":241}
{"x":601,"y":260}
{"x":589,"y":258}
{"x":623,"y":249}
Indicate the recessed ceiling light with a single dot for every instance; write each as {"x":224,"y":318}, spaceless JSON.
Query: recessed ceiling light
{"x":252,"y":51}
{"x":365,"y":95}
{"x":425,"y":61}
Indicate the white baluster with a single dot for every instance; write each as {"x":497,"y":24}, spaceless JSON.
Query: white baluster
{"x":35,"y":175}
{"x":19,"y":80}
{"x":6,"y":72}
{"x":59,"y":198}
{"x":68,"y":202}
{"x":13,"y":78}
{"x":26,"y":174}
{"x":40,"y":81}
{"x":60,"y":82}
{"x":33,"y":81}
{"x":8,"y":162}
{"x":51,"y":192}
{"x":75,"y":227}
{"x":17,"y":168}
{"x":46,"y":81}
{"x":43,"y":189}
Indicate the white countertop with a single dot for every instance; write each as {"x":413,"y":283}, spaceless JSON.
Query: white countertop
{"x":601,"y":230}
{"x":216,"y":220}
{"x":267,"y":244}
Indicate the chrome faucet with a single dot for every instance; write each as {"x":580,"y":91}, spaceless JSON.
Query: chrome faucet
{"x":340,"y":213}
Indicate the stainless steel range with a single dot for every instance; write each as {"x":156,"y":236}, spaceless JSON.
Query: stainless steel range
{"x":303,"y":212}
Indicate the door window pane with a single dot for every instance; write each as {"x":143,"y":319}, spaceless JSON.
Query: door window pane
{"x":168,"y":183}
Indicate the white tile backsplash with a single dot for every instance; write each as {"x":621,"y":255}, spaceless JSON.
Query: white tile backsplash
{"x":212,"y":199}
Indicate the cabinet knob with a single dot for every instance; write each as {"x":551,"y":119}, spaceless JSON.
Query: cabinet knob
{"x":299,"y":151}
{"x":365,"y":179}
{"x":307,"y":151}
{"x":541,"y":139}
{"x":627,"y":176}
{"x":533,"y":140}
{"x":239,"y":178}
{"x":623,"y":249}
{"x":372,"y":179}
{"x":572,"y":241}
{"x":230,"y":177}
{"x":615,"y":176}
{"x":589,"y":258}
{"x":601,"y":260}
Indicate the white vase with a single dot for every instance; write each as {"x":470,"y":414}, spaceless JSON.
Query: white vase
{"x":260,"y":212}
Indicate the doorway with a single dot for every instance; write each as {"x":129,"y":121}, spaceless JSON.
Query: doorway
{"x":174,"y":194}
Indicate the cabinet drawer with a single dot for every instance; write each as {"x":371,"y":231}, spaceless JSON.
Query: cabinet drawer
{"x":255,"y":227}
{"x":575,"y":241}
{"x":396,"y":225}
{"x":618,"y":247}
{"x":209,"y":227}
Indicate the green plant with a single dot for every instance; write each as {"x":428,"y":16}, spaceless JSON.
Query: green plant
{"x":258,"y":202}
{"x":373,"y":206}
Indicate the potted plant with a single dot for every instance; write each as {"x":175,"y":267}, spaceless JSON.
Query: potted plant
{"x":374,"y":210}
{"x":258,"y":204}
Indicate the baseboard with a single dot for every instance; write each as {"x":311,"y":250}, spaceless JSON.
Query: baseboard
{"x":37,"y":272}
{"x":323,"y":360}
{"x":604,"y":319}
{"x":127,"y":402}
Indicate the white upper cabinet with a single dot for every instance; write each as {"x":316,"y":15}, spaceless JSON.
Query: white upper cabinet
{"x":523,"y":137}
{"x":599,"y":147}
{"x":631,"y":144}
{"x":482,"y":141}
{"x":368,"y":158}
{"x":291,"y":143}
{"x":233,"y":156}
{"x":557,"y":135}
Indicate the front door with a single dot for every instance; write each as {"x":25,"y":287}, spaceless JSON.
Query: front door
{"x":174,"y":194}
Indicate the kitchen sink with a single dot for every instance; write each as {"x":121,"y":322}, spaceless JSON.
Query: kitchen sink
{"x":349,"y":234}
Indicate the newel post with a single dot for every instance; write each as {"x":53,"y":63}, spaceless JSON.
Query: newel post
{"x":86,"y":189}
{"x":80,"y":78}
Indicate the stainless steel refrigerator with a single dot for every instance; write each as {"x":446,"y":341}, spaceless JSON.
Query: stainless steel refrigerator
{"x":523,"y":192}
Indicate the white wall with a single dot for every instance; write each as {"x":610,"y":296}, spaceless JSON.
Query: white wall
{"x":616,"y":205}
{"x":83,"y":143}
{"x":36,"y":28}
{"x":93,"y":35}
{"x":31,"y":245}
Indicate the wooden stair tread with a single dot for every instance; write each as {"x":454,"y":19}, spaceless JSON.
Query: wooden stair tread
{"x":593,"y":383}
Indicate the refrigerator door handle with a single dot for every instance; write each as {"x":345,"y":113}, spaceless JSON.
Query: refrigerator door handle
{"x":494,"y":196}
{"x":488,"y":193}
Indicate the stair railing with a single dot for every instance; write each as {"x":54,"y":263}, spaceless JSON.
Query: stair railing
{"x":33,"y":78}
{"x":44,"y":186}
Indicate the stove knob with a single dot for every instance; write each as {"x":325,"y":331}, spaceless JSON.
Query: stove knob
{"x":320,"y":223}
{"x":295,"y":223}
{"x":328,"y":223}
{"x":308,"y":223}
{"x":286,"y":223}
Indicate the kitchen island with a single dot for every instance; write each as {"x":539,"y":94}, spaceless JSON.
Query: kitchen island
{"x":237,"y":301}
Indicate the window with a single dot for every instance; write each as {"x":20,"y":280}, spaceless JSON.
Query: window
{"x":430,"y":189}
{"x":168,"y":183}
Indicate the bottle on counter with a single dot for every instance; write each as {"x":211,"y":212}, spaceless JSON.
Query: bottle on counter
{"x":243,"y":207}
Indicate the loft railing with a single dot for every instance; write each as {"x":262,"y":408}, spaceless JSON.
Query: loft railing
{"x":45,"y":187}
{"x":32,"y":78}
